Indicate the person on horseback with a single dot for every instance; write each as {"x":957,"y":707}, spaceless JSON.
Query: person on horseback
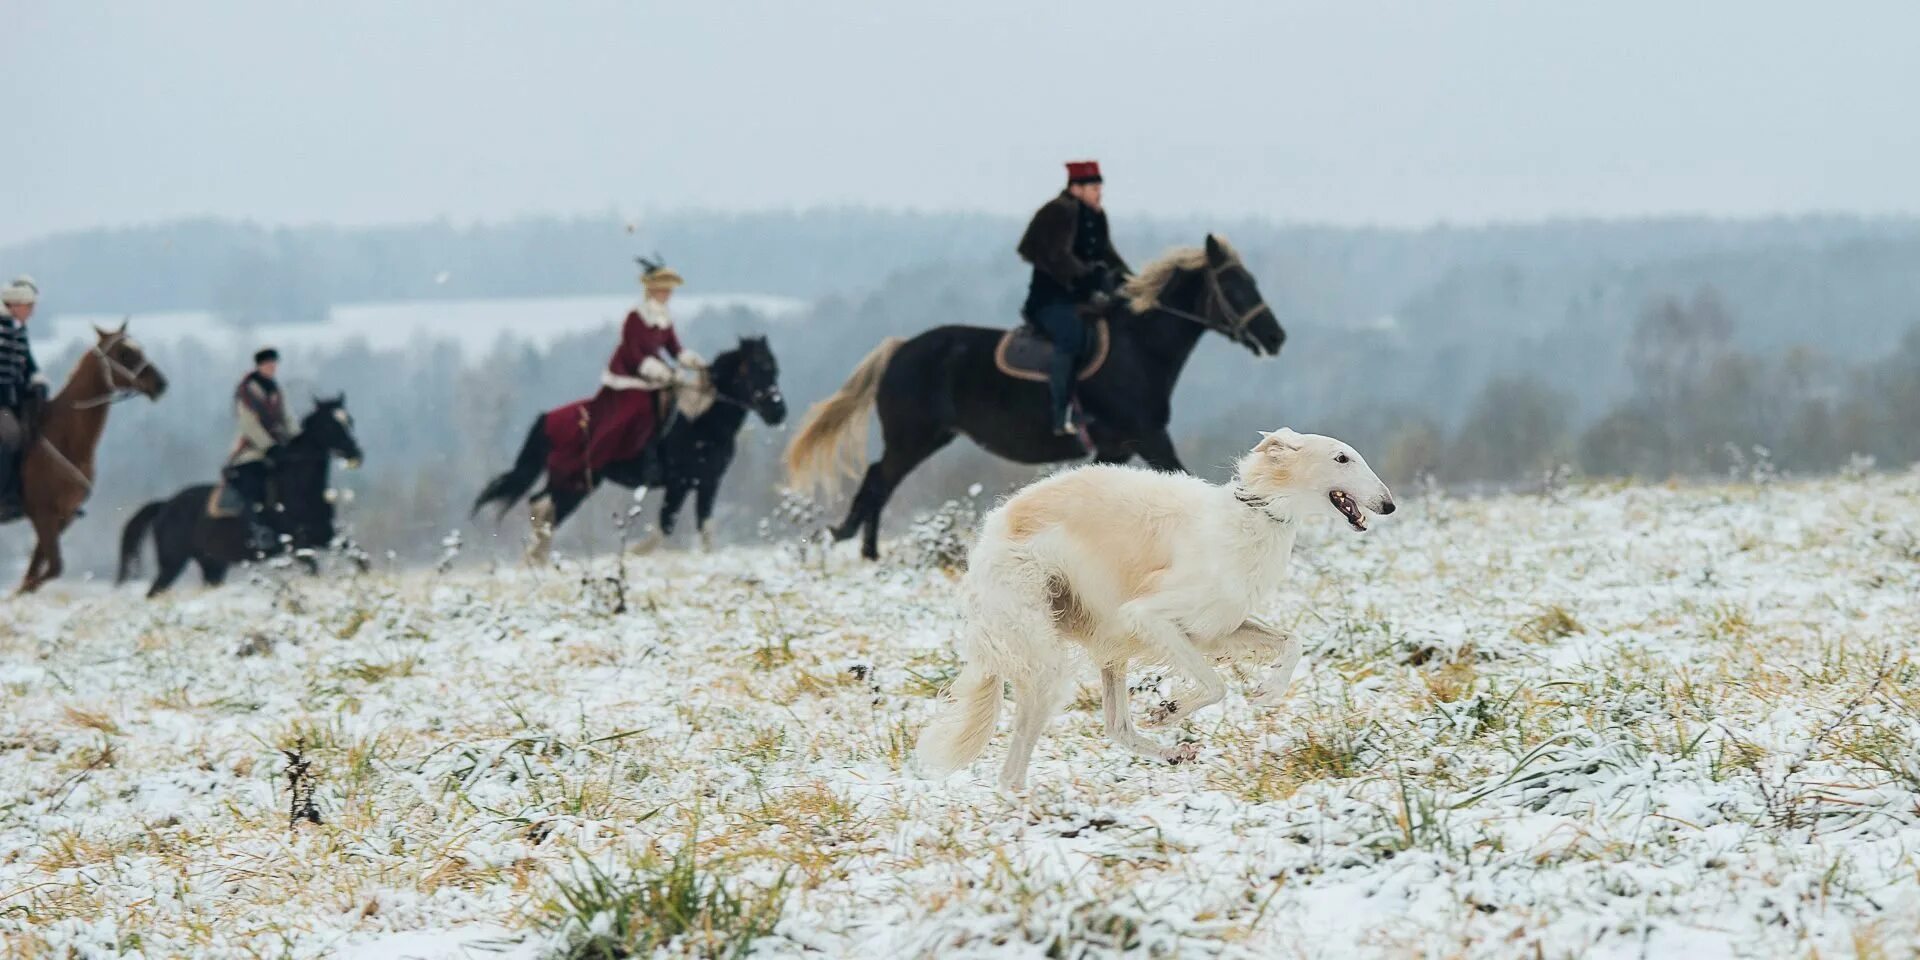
{"x":23,"y":390}
{"x":1074,"y":266}
{"x":265,"y":425}
{"x":619,"y":422}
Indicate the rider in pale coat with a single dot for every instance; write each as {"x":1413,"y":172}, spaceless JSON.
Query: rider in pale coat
{"x":264,"y":425}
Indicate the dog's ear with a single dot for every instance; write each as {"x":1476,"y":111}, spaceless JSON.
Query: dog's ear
{"x":1281,"y":440}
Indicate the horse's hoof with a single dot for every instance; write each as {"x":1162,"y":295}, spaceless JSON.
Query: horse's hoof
{"x":1184,"y":753}
{"x":1158,"y":716}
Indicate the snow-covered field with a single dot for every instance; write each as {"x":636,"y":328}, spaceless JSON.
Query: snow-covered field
{"x":1621,"y":721}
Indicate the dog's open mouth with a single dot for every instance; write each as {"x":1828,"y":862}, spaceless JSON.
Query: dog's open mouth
{"x":1344,"y":502}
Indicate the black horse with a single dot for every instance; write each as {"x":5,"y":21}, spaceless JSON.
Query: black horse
{"x":301,"y":511}
{"x":689,"y":457}
{"x":946,"y":382}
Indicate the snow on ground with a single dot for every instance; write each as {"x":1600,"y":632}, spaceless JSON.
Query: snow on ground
{"x":476,"y":326}
{"x":1623,"y":721}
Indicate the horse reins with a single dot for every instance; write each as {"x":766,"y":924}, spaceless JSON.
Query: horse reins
{"x":116,"y":392}
{"x":1234,"y":324}
{"x":751,"y":403}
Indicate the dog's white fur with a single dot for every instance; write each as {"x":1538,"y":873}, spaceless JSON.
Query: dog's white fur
{"x":1124,"y":564}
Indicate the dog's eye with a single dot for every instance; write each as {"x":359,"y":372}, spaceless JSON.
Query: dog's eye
{"x":1342,"y":458}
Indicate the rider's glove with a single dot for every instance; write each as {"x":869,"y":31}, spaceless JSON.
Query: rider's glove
{"x":688,"y":358}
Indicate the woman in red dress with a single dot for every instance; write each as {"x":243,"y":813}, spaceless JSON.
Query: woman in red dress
{"x":617,"y":423}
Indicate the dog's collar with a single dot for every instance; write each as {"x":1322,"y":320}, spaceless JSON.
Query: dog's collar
{"x":1258,"y":505}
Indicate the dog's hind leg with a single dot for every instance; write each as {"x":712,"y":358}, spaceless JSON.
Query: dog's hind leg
{"x":1119,"y":722}
{"x":1036,"y":697}
{"x":1145,"y":619}
{"x":1284,"y":647}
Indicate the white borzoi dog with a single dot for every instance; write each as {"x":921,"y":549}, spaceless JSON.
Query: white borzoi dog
{"x":1124,"y":564}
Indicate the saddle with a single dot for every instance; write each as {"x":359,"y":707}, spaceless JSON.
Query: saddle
{"x":225,"y":502}
{"x":1023,"y":353}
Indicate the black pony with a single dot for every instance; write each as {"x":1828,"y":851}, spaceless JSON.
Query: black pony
{"x":946,"y":382}
{"x":301,"y":513}
{"x":693,"y":453}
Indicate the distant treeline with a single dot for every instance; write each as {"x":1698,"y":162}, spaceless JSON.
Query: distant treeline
{"x":1787,"y":278}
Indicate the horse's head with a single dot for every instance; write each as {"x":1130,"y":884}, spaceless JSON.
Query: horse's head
{"x":330,"y":427}
{"x":1209,"y":286}
{"x":1236,"y":305}
{"x":124,"y":365}
{"x":753,"y":376}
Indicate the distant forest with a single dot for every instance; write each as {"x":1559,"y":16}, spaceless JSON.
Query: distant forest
{"x":1477,"y":357}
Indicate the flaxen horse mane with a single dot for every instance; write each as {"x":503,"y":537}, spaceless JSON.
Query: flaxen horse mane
{"x":1144,"y":289}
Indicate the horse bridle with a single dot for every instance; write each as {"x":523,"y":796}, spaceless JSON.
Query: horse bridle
{"x":754,"y":399}
{"x":1235,"y":324}
{"x":109,"y":368}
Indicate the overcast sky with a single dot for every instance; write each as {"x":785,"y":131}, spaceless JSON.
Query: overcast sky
{"x":1347,"y":112}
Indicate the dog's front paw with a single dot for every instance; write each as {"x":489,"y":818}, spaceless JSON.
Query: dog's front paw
{"x":1184,"y":753}
{"x":1158,"y":716}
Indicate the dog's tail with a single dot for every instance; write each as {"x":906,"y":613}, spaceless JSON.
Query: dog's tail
{"x":960,"y":733}
{"x":831,"y":444}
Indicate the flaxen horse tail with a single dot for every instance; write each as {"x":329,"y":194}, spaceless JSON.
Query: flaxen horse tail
{"x":507,"y":488}
{"x":831,"y":444}
{"x":130,"y":539}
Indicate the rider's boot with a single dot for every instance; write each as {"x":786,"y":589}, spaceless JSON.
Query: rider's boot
{"x":261,"y":538}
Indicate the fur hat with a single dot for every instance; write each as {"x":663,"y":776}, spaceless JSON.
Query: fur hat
{"x":23,"y":290}
{"x":1083,"y":171}
{"x":656,"y":275}
{"x":265,"y":355}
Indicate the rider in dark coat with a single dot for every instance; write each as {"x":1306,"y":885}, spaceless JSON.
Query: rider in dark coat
{"x":1074,"y":263}
{"x":23,"y":391}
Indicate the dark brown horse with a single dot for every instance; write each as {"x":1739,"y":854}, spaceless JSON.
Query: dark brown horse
{"x":945,"y":383}
{"x":57,"y":474}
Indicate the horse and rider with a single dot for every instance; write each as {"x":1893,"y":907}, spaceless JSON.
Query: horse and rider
{"x":277,"y":470}
{"x":1116,"y":345}
{"x":48,"y":439}
{"x":663,"y":417}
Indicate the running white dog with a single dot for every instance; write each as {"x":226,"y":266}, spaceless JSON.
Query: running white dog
{"x":1129,"y":564}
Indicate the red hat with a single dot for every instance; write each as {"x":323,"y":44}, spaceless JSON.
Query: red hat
{"x":1083,"y":171}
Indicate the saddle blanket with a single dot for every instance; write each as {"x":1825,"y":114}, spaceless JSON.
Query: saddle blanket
{"x":225,"y":502}
{"x":1023,"y":353}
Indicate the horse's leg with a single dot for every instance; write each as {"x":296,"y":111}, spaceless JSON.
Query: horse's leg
{"x":894,"y":466}
{"x":171,"y":566}
{"x":47,"y":564}
{"x":32,"y":580}
{"x":212,"y":572}
{"x":549,"y":512}
{"x":857,"y":511}
{"x":704,"y":492}
{"x":1157,"y":449}
{"x":676,"y":496}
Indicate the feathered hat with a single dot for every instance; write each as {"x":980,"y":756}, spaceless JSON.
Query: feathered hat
{"x":656,"y":275}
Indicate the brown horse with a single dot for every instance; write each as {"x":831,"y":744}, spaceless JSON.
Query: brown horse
{"x":57,"y":473}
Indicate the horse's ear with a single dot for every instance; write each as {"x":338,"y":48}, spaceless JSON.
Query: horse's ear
{"x":123,"y":326}
{"x":1215,"y":252}
{"x":102,"y":334}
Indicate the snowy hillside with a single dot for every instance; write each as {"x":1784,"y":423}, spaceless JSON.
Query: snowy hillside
{"x":476,"y":326}
{"x":1617,"y":722}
